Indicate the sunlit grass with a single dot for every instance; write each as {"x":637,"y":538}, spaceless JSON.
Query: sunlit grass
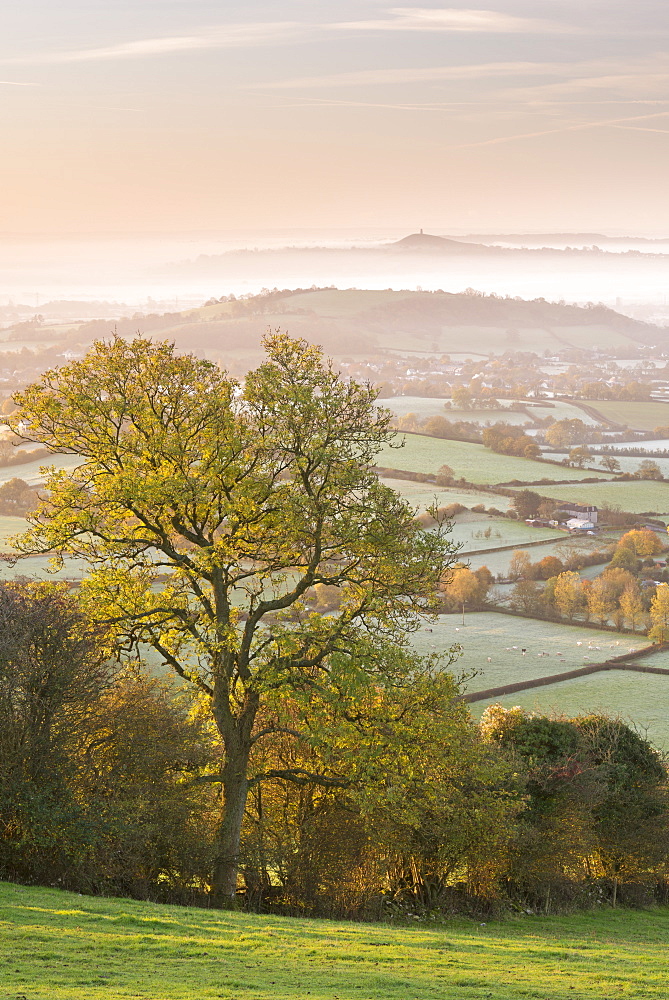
{"x":60,"y":946}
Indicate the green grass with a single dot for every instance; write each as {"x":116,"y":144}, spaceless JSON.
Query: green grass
{"x":61,"y":946}
{"x":641,"y":700}
{"x":432,"y":406}
{"x":471,"y":530}
{"x":559,"y":409}
{"x":489,"y":634}
{"x":471,"y":461}
{"x":635,"y":497}
{"x":644,"y":416}
{"x":423,"y":495}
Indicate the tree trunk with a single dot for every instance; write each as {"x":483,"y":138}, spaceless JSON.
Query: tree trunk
{"x":226,"y":862}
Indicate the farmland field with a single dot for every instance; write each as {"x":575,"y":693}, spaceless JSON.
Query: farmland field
{"x":471,"y":461}
{"x":30,"y":471}
{"x":641,"y":416}
{"x":429,"y":407}
{"x":423,"y":495}
{"x":498,"y":562}
{"x":628,"y":463}
{"x":641,"y":700}
{"x":561,"y":410}
{"x":489,"y":634}
{"x":62,"y":946}
{"x":636,"y":497}
{"x":472,"y":531}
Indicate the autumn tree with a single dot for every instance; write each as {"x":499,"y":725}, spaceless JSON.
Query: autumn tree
{"x":659,"y":614}
{"x":568,"y":594}
{"x":641,"y":541}
{"x":207,"y":511}
{"x":632,"y":607}
{"x":610,"y":463}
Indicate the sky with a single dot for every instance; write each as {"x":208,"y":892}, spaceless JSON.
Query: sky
{"x":187,"y":115}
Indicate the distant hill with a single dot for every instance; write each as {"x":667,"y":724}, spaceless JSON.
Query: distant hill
{"x":369,"y":323}
{"x":425,"y":241}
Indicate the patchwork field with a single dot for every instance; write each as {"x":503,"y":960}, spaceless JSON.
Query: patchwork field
{"x":639,"y":416}
{"x":61,"y":946}
{"x":490,"y":634}
{"x":628,"y":463}
{"x":479,"y":531}
{"x":430,"y":407}
{"x":470,"y":461}
{"x":423,"y":495}
{"x":560,"y":409}
{"x":552,"y":648}
{"x":636,"y":497}
{"x":641,"y":700}
{"x":498,"y":562}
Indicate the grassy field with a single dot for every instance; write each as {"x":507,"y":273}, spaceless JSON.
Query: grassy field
{"x":641,"y":700}
{"x":429,"y":407}
{"x":30,"y":471}
{"x":559,"y":409}
{"x":61,"y":946}
{"x":423,"y":495}
{"x":488,"y":634}
{"x":471,"y":461}
{"x":644,"y":416}
{"x":628,"y":463}
{"x":498,"y":562}
{"x":635,"y":497}
{"x":472,"y":531}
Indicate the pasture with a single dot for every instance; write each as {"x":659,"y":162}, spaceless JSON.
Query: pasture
{"x":422,"y":495}
{"x":480,"y":531}
{"x":57,"y":945}
{"x":641,"y":700}
{"x":563,"y":547}
{"x":639,"y":416}
{"x":30,"y":471}
{"x":560,"y":409}
{"x":552,"y":647}
{"x":426,"y":406}
{"x":628,"y":463}
{"x":636,"y":497}
{"x":472,"y":462}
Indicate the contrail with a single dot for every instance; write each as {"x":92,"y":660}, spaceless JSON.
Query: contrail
{"x":565,"y":128}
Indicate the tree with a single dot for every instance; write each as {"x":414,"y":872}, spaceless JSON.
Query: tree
{"x":465,"y":588}
{"x":610,"y":463}
{"x":659,"y":614}
{"x":641,"y":541}
{"x":526,"y":504}
{"x":564,"y":433}
{"x":631,"y":606}
{"x":445,"y":475}
{"x":519,"y":566}
{"x":461,"y":398}
{"x":207,"y":512}
{"x":600,"y":601}
{"x":580,"y":455}
{"x":568,"y":594}
{"x":648,"y":470}
{"x":526,"y":597}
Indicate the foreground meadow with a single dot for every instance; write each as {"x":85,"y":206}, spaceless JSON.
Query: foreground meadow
{"x":60,"y":946}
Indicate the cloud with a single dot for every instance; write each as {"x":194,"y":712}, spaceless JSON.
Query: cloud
{"x":229,"y":36}
{"x":424,"y":74}
{"x":453,"y":19}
